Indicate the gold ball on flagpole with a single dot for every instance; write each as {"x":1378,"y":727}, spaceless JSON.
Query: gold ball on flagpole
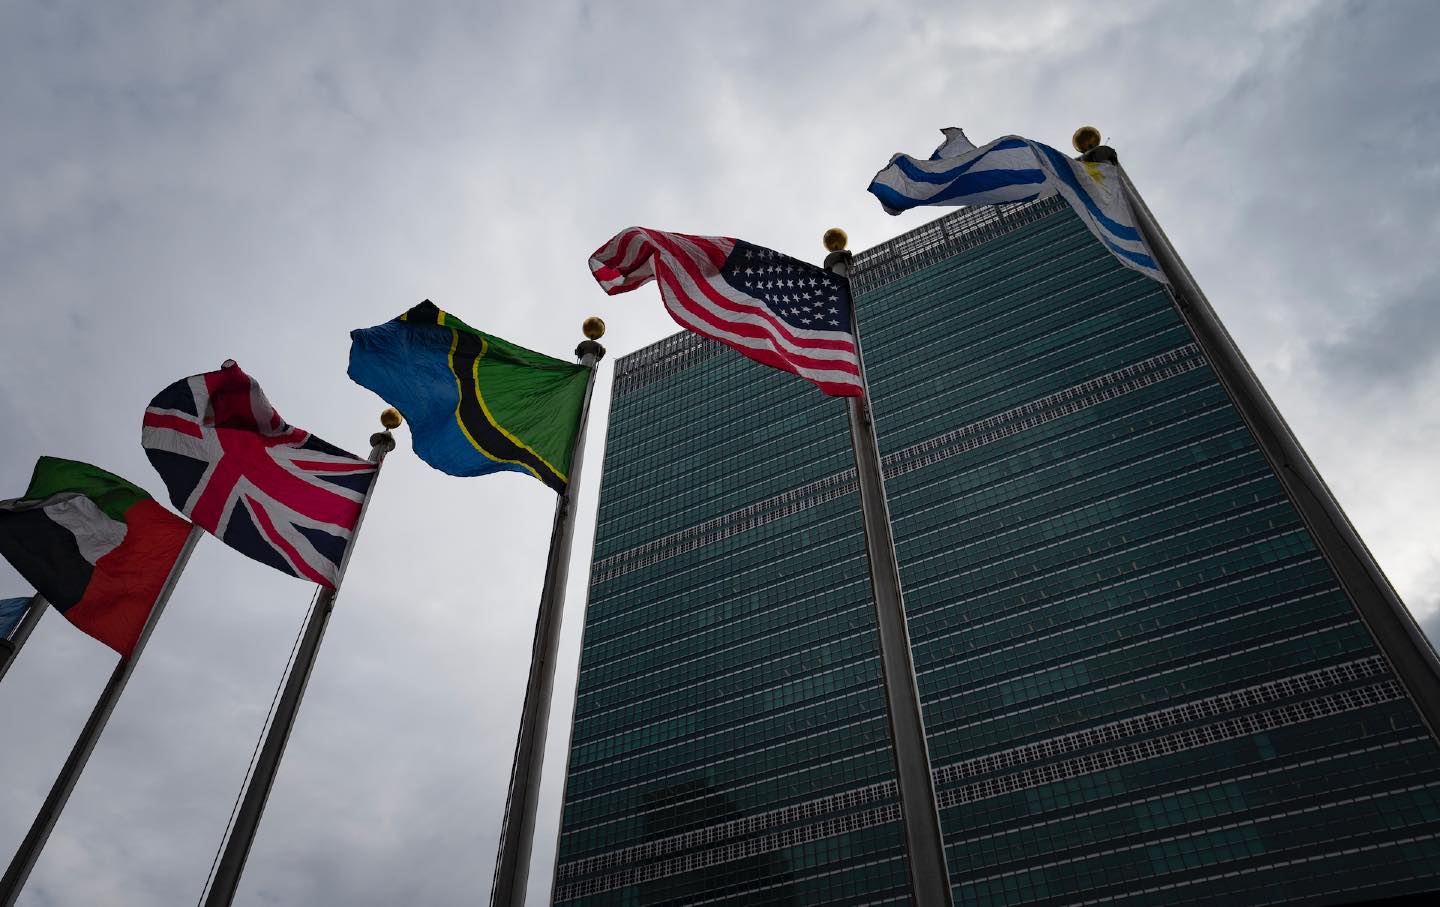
{"x":835,"y":239}
{"x":390,"y":417}
{"x":594,"y":327}
{"x":1085,"y":138}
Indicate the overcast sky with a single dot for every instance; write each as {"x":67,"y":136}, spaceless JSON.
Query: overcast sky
{"x":189,"y":181}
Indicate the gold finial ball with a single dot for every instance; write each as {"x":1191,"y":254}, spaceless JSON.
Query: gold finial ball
{"x":390,"y":417}
{"x":594,"y":327}
{"x":835,"y":239}
{"x":1085,"y":138}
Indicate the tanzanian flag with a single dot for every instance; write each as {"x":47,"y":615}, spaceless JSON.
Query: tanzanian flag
{"x":476,"y":404}
{"x":98,"y":548}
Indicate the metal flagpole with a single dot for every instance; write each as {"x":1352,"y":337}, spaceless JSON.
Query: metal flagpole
{"x":925,"y":847}
{"x":517,"y":832}
{"x":257,"y":789}
{"x":10,"y":646}
{"x":1389,"y":621}
{"x":29,"y":850}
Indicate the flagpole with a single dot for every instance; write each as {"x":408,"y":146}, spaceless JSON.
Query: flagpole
{"x":924,"y":843}
{"x":1390,"y":623}
{"x":11,"y":645}
{"x":257,"y":788}
{"x":29,"y":850}
{"x":517,"y":831}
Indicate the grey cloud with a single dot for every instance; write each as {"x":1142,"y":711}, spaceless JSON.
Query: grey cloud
{"x":1395,"y":342}
{"x":1431,"y":626}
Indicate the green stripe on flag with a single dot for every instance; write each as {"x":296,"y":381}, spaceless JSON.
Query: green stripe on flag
{"x":112,"y":494}
{"x":533,"y":397}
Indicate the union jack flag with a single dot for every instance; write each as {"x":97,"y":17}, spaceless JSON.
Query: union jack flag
{"x":269,"y":490}
{"x":772,"y":308}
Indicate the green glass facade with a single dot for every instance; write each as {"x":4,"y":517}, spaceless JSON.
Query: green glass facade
{"x":1142,"y":682}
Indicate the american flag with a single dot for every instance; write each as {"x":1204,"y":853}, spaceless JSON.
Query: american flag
{"x":773,"y":308}
{"x":269,"y":490}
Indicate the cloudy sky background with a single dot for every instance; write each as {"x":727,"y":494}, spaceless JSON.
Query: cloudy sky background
{"x":186,"y":182}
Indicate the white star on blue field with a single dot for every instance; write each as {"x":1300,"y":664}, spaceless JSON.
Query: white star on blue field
{"x":805,"y":296}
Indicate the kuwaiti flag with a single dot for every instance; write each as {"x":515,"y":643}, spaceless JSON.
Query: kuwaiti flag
{"x":1015,"y":169}
{"x":95,"y":546}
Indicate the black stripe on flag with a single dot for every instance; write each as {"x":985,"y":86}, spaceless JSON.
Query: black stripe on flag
{"x":46,"y":554}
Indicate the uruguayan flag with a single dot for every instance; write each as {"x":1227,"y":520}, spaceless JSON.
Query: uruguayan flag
{"x":1013,"y":169}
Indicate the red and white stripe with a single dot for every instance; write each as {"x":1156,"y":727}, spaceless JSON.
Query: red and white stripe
{"x":699,"y":299}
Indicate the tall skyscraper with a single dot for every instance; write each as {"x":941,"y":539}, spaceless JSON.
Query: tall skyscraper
{"x":1143,"y":679}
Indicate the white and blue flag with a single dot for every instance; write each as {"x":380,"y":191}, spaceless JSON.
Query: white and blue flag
{"x":1015,"y":169}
